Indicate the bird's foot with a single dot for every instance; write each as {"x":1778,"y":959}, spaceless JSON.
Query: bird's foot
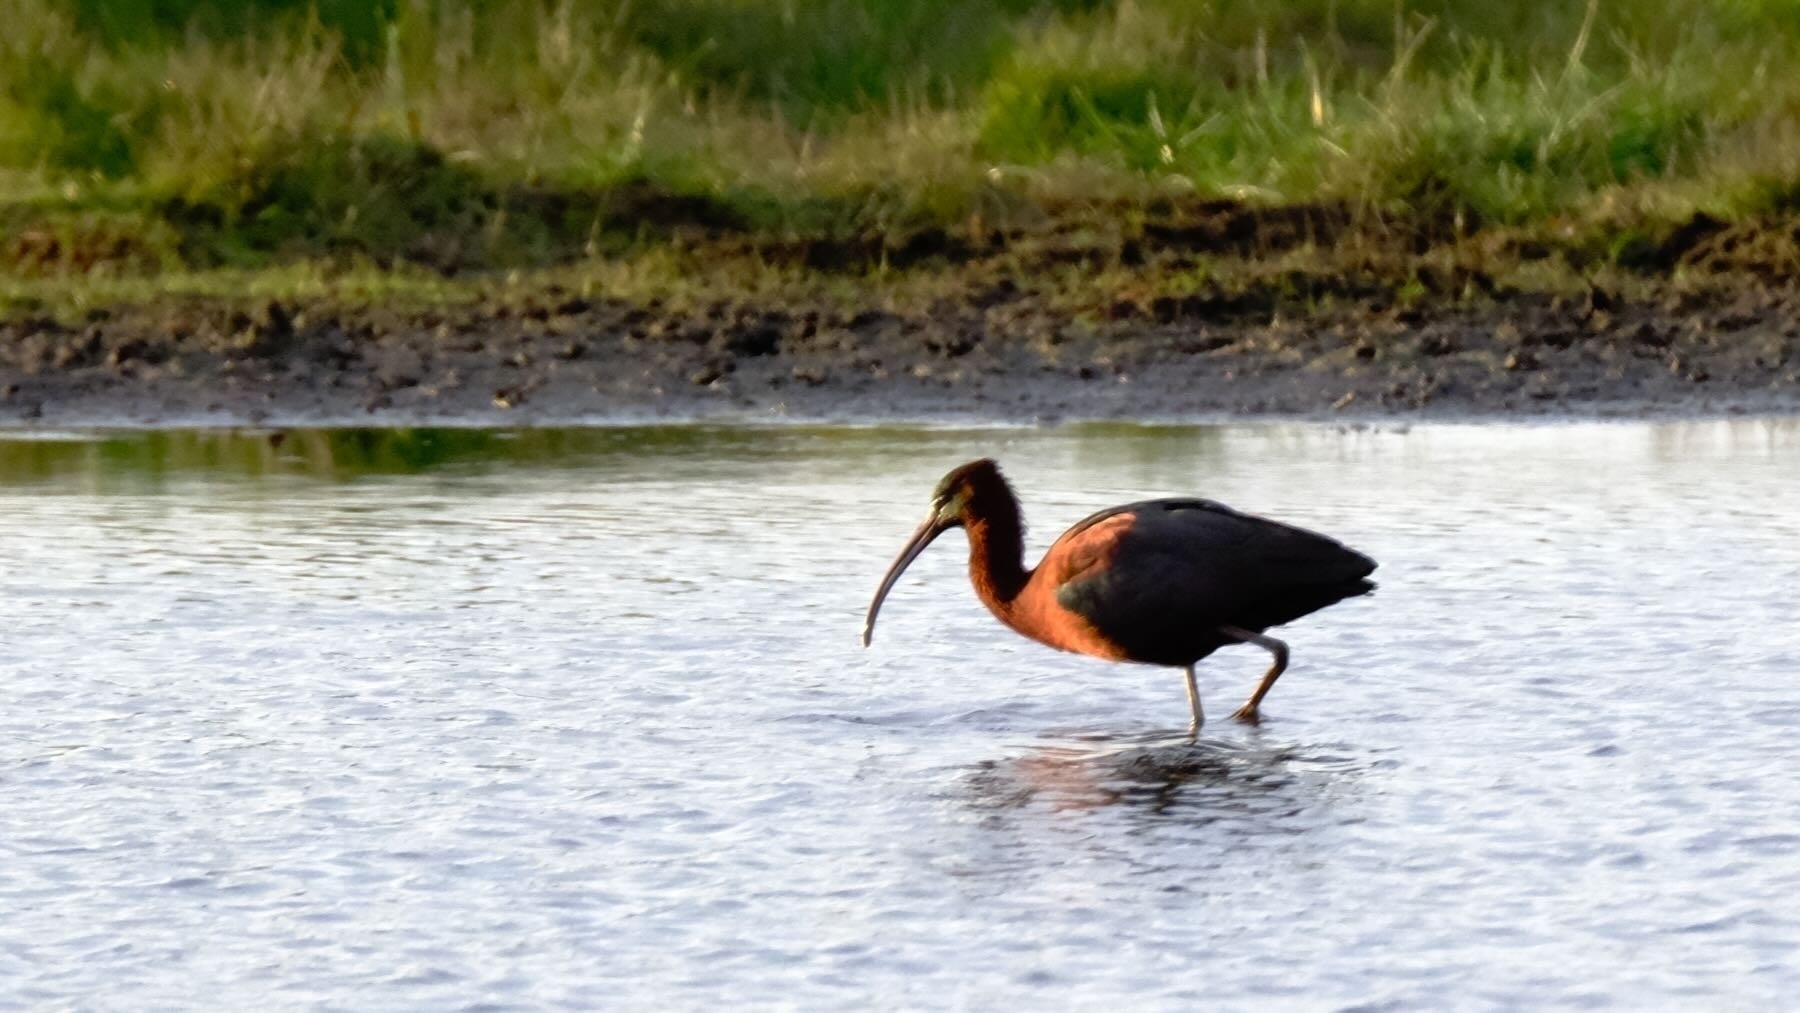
{"x":1248,"y":715}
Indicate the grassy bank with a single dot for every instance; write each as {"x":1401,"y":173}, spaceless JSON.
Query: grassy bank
{"x":379,"y":148}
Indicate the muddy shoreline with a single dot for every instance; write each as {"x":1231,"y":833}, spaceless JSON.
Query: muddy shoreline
{"x":1000,"y":353}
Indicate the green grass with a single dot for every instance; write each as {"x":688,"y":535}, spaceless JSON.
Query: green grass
{"x":140,"y":138}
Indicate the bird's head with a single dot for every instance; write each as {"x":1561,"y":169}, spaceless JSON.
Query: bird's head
{"x":957,"y":499}
{"x":957,"y":493}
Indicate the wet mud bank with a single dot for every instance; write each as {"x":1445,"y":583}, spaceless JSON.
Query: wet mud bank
{"x":994,"y":352}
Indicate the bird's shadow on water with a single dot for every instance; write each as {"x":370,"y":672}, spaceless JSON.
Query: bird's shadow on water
{"x":1116,"y":806}
{"x":1162,"y":774}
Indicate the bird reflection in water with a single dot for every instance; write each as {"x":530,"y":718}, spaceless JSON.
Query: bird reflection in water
{"x":1157,"y":772}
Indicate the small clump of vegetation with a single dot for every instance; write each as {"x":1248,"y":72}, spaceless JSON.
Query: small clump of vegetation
{"x":147,"y":138}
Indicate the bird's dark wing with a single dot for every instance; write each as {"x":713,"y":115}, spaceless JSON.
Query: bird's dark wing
{"x":1169,"y":572}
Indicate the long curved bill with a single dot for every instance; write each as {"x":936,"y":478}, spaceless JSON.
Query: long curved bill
{"x":916,"y":544}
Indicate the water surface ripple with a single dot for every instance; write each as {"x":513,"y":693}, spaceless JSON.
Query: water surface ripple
{"x":578,"y":719}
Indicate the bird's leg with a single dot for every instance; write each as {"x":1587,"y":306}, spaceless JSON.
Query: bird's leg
{"x":1248,"y":713}
{"x":1194,"y":703}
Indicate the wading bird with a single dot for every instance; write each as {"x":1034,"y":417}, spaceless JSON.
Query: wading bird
{"x":1161,"y":582}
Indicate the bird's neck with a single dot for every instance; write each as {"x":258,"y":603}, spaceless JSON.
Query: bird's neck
{"x":997,"y":554}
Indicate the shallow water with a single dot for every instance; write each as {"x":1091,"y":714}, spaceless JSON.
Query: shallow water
{"x":578,"y":718}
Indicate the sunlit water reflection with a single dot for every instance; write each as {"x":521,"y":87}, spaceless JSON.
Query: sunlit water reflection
{"x":579,"y":718}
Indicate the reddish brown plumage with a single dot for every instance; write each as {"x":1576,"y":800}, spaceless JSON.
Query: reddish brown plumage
{"x":1035,"y":611}
{"x":1161,"y":582}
